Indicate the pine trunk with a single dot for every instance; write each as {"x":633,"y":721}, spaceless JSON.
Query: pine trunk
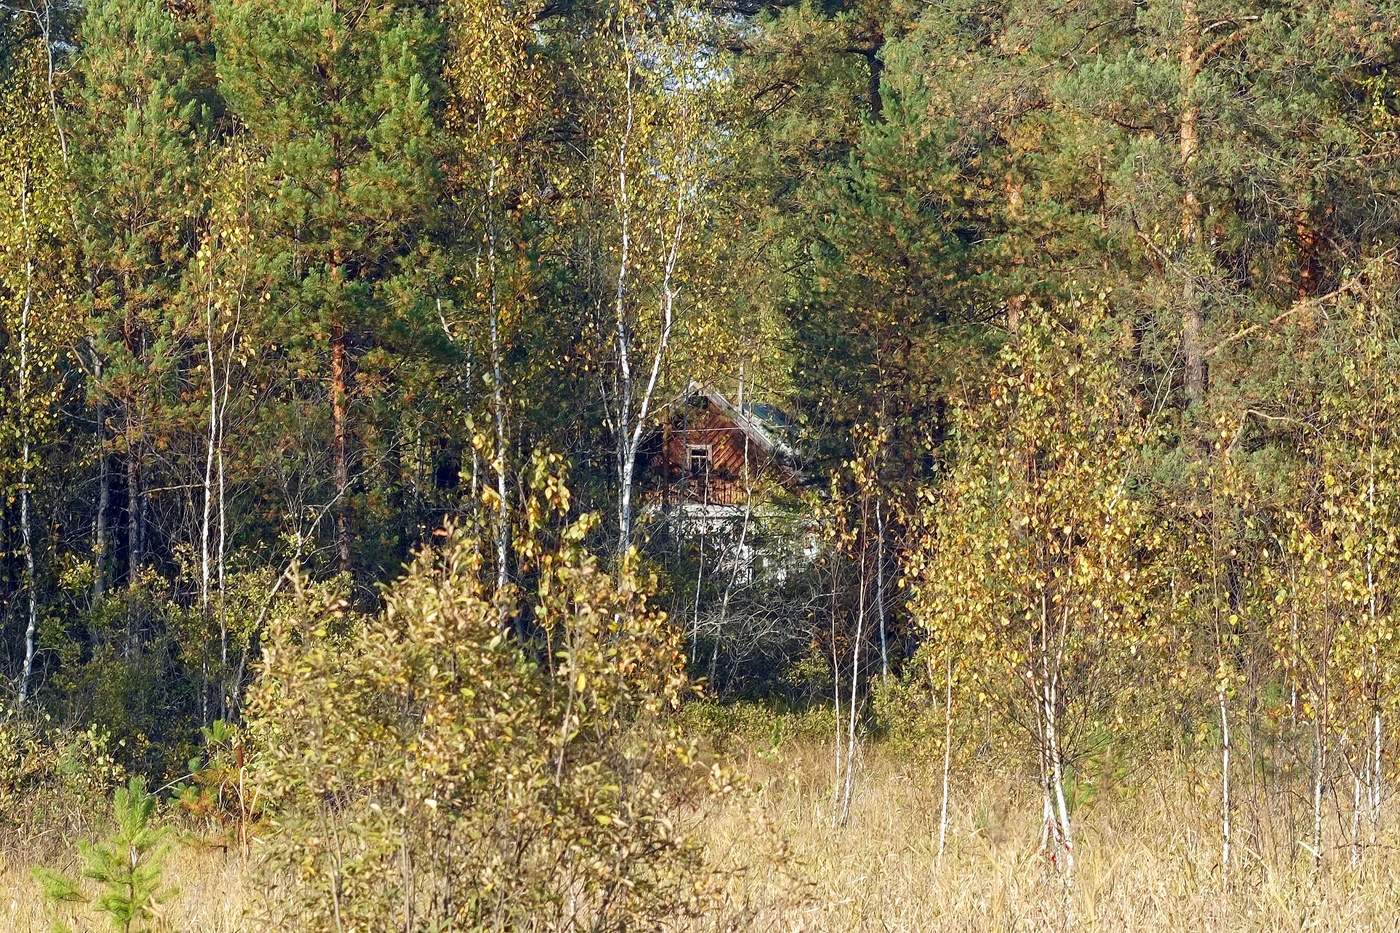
{"x":1191,"y":211}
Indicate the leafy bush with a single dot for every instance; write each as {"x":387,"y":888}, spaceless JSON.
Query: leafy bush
{"x":766,"y":725}
{"x":114,"y":658}
{"x":50,"y":776}
{"x":428,"y":768}
{"x":216,"y":791}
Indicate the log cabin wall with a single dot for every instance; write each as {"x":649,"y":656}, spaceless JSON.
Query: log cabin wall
{"x":710,"y":430}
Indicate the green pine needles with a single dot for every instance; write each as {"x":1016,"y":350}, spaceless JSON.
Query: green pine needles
{"x":127,"y":866}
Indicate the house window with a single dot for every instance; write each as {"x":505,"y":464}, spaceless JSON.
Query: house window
{"x":698,"y":464}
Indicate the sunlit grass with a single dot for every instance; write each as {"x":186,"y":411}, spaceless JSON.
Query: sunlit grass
{"x":1148,"y":859}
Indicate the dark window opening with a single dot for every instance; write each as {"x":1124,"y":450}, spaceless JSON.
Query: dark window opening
{"x":698,"y":464}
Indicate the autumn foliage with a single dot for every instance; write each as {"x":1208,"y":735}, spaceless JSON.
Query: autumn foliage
{"x":463,"y":758}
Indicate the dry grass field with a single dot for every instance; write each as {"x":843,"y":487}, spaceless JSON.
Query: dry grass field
{"x":213,"y":894}
{"x":1148,"y":862}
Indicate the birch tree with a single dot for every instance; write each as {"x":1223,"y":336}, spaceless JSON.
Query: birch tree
{"x":1336,"y":595}
{"x":652,"y":144}
{"x":1040,"y":571}
{"x":222,"y":297}
{"x":498,"y":117}
{"x":37,"y":323}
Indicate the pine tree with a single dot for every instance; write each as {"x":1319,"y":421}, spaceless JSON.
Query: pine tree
{"x":127,"y":865}
{"x":337,"y":97}
{"x":137,"y":132}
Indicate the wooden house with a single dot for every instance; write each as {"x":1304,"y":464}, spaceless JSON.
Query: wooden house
{"x":713,"y":471}
{"x":708,"y":457}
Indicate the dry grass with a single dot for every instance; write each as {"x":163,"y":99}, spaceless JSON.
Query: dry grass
{"x":1146,"y":862}
{"x":212,"y":894}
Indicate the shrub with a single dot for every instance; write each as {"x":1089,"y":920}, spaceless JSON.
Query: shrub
{"x":216,"y":791}
{"x":429,"y":768}
{"x":765,"y":725}
{"x":50,"y":777}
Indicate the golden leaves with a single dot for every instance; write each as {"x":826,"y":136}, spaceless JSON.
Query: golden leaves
{"x":520,"y":770}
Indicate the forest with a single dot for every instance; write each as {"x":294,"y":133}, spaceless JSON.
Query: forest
{"x":699,"y":465}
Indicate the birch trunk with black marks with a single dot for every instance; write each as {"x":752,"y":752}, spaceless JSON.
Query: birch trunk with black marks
{"x":947,"y":751}
{"x":26,"y":448}
{"x":634,"y":392}
{"x":498,"y":402}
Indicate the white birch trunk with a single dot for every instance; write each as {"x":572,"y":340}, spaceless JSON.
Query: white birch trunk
{"x":206,"y":520}
{"x":498,"y":403}
{"x":1065,"y":833}
{"x":947,"y":752}
{"x":880,"y":587}
{"x":855,"y":684}
{"x":632,"y":406}
{"x":1224,"y":780}
{"x":26,"y":536}
{"x":836,"y":707}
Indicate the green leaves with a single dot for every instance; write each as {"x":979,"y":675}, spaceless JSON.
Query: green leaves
{"x":127,"y":865}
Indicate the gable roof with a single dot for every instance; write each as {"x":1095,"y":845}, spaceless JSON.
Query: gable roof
{"x":759,"y":430}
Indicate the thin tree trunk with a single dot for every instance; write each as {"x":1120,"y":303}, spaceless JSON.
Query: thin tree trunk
{"x":211,"y":444}
{"x":26,"y":537}
{"x":699,"y":581}
{"x":1377,"y":782}
{"x":1319,"y":767}
{"x":625,"y":454}
{"x":1191,"y":211}
{"x":45,"y":24}
{"x":1221,"y":687}
{"x":1066,"y":834}
{"x":131,"y":340}
{"x":340,"y":431}
{"x":134,"y":556}
{"x":1224,"y":780}
{"x":855,"y":681}
{"x":1055,"y":810}
{"x":228,"y":688}
{"x":880,"y":587}
{"x":740,"y":564}
{"x":1356,"y":782}
{"x":206,"y":515}
{"x":498,"y":403}
{"x":739,"y":567}
{"x":340,"y":352}
{"x":947,"y":750}
{"x":104,"y":497}
{"x":633,"y":405}
{"x":1047,"y":807}
{"x":1372,"y":755}
{"x":836,"y":702}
